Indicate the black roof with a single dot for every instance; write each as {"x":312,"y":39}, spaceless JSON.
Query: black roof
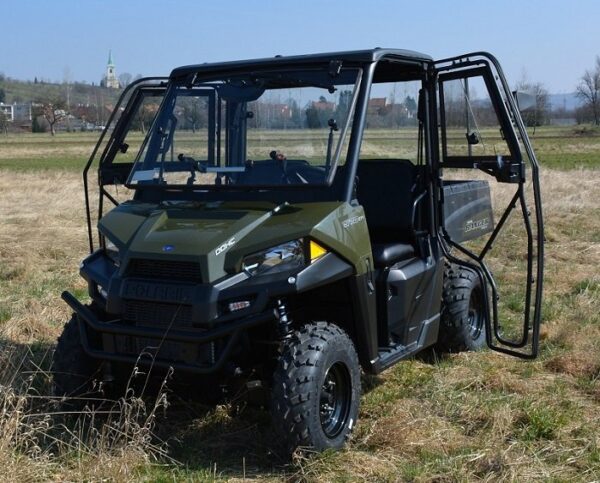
{"x":353,"y":56}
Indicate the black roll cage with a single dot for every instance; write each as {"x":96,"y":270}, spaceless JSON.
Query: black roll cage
{"x":111,"y":149}
{"x":107,"y":172}
{"x":460,"y":66}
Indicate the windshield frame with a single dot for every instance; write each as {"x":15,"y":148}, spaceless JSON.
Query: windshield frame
{"x":205,"y":81}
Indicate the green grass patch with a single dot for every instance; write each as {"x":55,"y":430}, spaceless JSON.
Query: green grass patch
{"x":564,"y":148}
{"x":567,"y":161}
{"x":41,"y":164}
{"x":590,"y":287}
{"x":5,"y":314}
{"x":540,"y":422}
{"x":404,"y":380}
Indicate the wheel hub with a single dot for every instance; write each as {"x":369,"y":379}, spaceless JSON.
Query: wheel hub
{"x":475,"y":317}
{"x":335,"y":399}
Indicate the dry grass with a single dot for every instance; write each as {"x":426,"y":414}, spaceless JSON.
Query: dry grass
{"x":468,"y":417}
{"x":42,"y":241}
{"x":38,"y":442}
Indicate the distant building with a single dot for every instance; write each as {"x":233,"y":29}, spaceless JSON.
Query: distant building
{"x":16,"y":112}
{"x":376,"y":104}
{"x":7,"y":110}
{"x":323,"y":105}
{"x":110,"y":79}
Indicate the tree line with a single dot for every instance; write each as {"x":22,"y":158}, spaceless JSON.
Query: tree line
{"x":587,"y":91}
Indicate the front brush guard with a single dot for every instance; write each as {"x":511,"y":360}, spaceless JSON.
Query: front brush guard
{"x":231,"y":330}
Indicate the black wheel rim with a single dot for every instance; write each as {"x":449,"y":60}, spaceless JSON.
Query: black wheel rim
{"x":475,"y":322}
{"x":335,"y":400}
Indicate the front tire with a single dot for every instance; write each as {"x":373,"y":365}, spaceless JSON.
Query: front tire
{"x":76,"y":376}
{"x":462,"y":325}
{"x":316,"y":388}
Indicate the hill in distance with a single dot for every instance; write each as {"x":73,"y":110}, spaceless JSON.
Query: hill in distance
{"x":18,"y":91}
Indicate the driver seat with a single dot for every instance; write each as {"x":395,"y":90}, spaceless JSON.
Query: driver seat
{"x":386,"y":254}
{"x":386,"y":192}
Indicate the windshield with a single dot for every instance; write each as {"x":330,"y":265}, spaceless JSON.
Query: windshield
{"x":261,"y":129}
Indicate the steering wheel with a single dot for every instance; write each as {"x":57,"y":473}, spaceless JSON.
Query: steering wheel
{"x":191,"y":164}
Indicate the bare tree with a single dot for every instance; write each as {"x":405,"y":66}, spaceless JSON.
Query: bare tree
{"x":144,"y":116}
{"x":538,"y":114}
{"x":194,"y":112}
{"x":588,"y":91}
{"x":53,"y":112}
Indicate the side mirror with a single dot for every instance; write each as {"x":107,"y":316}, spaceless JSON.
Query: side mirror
{"x":124,"y":147}
{"x":525,"y":100}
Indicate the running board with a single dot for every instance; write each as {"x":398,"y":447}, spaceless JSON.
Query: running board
{"x":388,"y":356}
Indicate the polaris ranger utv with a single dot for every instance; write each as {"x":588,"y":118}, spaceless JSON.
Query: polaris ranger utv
{"x":291,"y":222}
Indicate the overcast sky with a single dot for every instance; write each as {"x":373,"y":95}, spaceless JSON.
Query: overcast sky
{"x":550,"y":41}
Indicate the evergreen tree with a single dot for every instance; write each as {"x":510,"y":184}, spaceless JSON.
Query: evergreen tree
{"x":36,"y":126}
{"x":410,"y":104}
{"x":3,"y":123}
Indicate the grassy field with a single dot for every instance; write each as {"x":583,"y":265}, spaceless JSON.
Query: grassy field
{"x":467,"y":417}
{"x":569,"y":147}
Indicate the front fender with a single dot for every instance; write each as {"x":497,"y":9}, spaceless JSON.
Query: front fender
{"x":327,"y":269}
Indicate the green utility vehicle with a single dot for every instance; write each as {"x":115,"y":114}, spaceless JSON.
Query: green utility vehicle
{"x":292,"y":221}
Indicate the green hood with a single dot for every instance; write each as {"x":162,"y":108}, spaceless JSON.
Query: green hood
{"x":219,"y":235}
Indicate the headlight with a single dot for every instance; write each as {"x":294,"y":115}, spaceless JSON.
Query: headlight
{"x":112,"y":252}
{"x":286,"y":256}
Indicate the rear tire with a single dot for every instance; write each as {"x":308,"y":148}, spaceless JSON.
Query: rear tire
{"x":316,"y":388}
{"x":462,"y":326}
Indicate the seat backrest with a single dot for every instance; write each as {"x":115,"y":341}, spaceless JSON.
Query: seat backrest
{"x":385,"y":191}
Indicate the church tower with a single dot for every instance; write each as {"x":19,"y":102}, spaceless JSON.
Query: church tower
{"x":110,"y":80}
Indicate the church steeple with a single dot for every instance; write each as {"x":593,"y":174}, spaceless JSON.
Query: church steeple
{"x":110,"y":79}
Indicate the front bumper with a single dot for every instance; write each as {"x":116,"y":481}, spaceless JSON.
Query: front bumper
{"x":196,"y":333}
{"x":230,"y":331}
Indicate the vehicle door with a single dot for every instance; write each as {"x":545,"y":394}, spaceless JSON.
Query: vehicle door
{"x":482,"y":136}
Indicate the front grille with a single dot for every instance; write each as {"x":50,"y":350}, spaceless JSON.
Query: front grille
{"x":152,"y":314}
{"x":161,"y":315}
{"x":165,"y":270}
{"x":203,"y":354}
